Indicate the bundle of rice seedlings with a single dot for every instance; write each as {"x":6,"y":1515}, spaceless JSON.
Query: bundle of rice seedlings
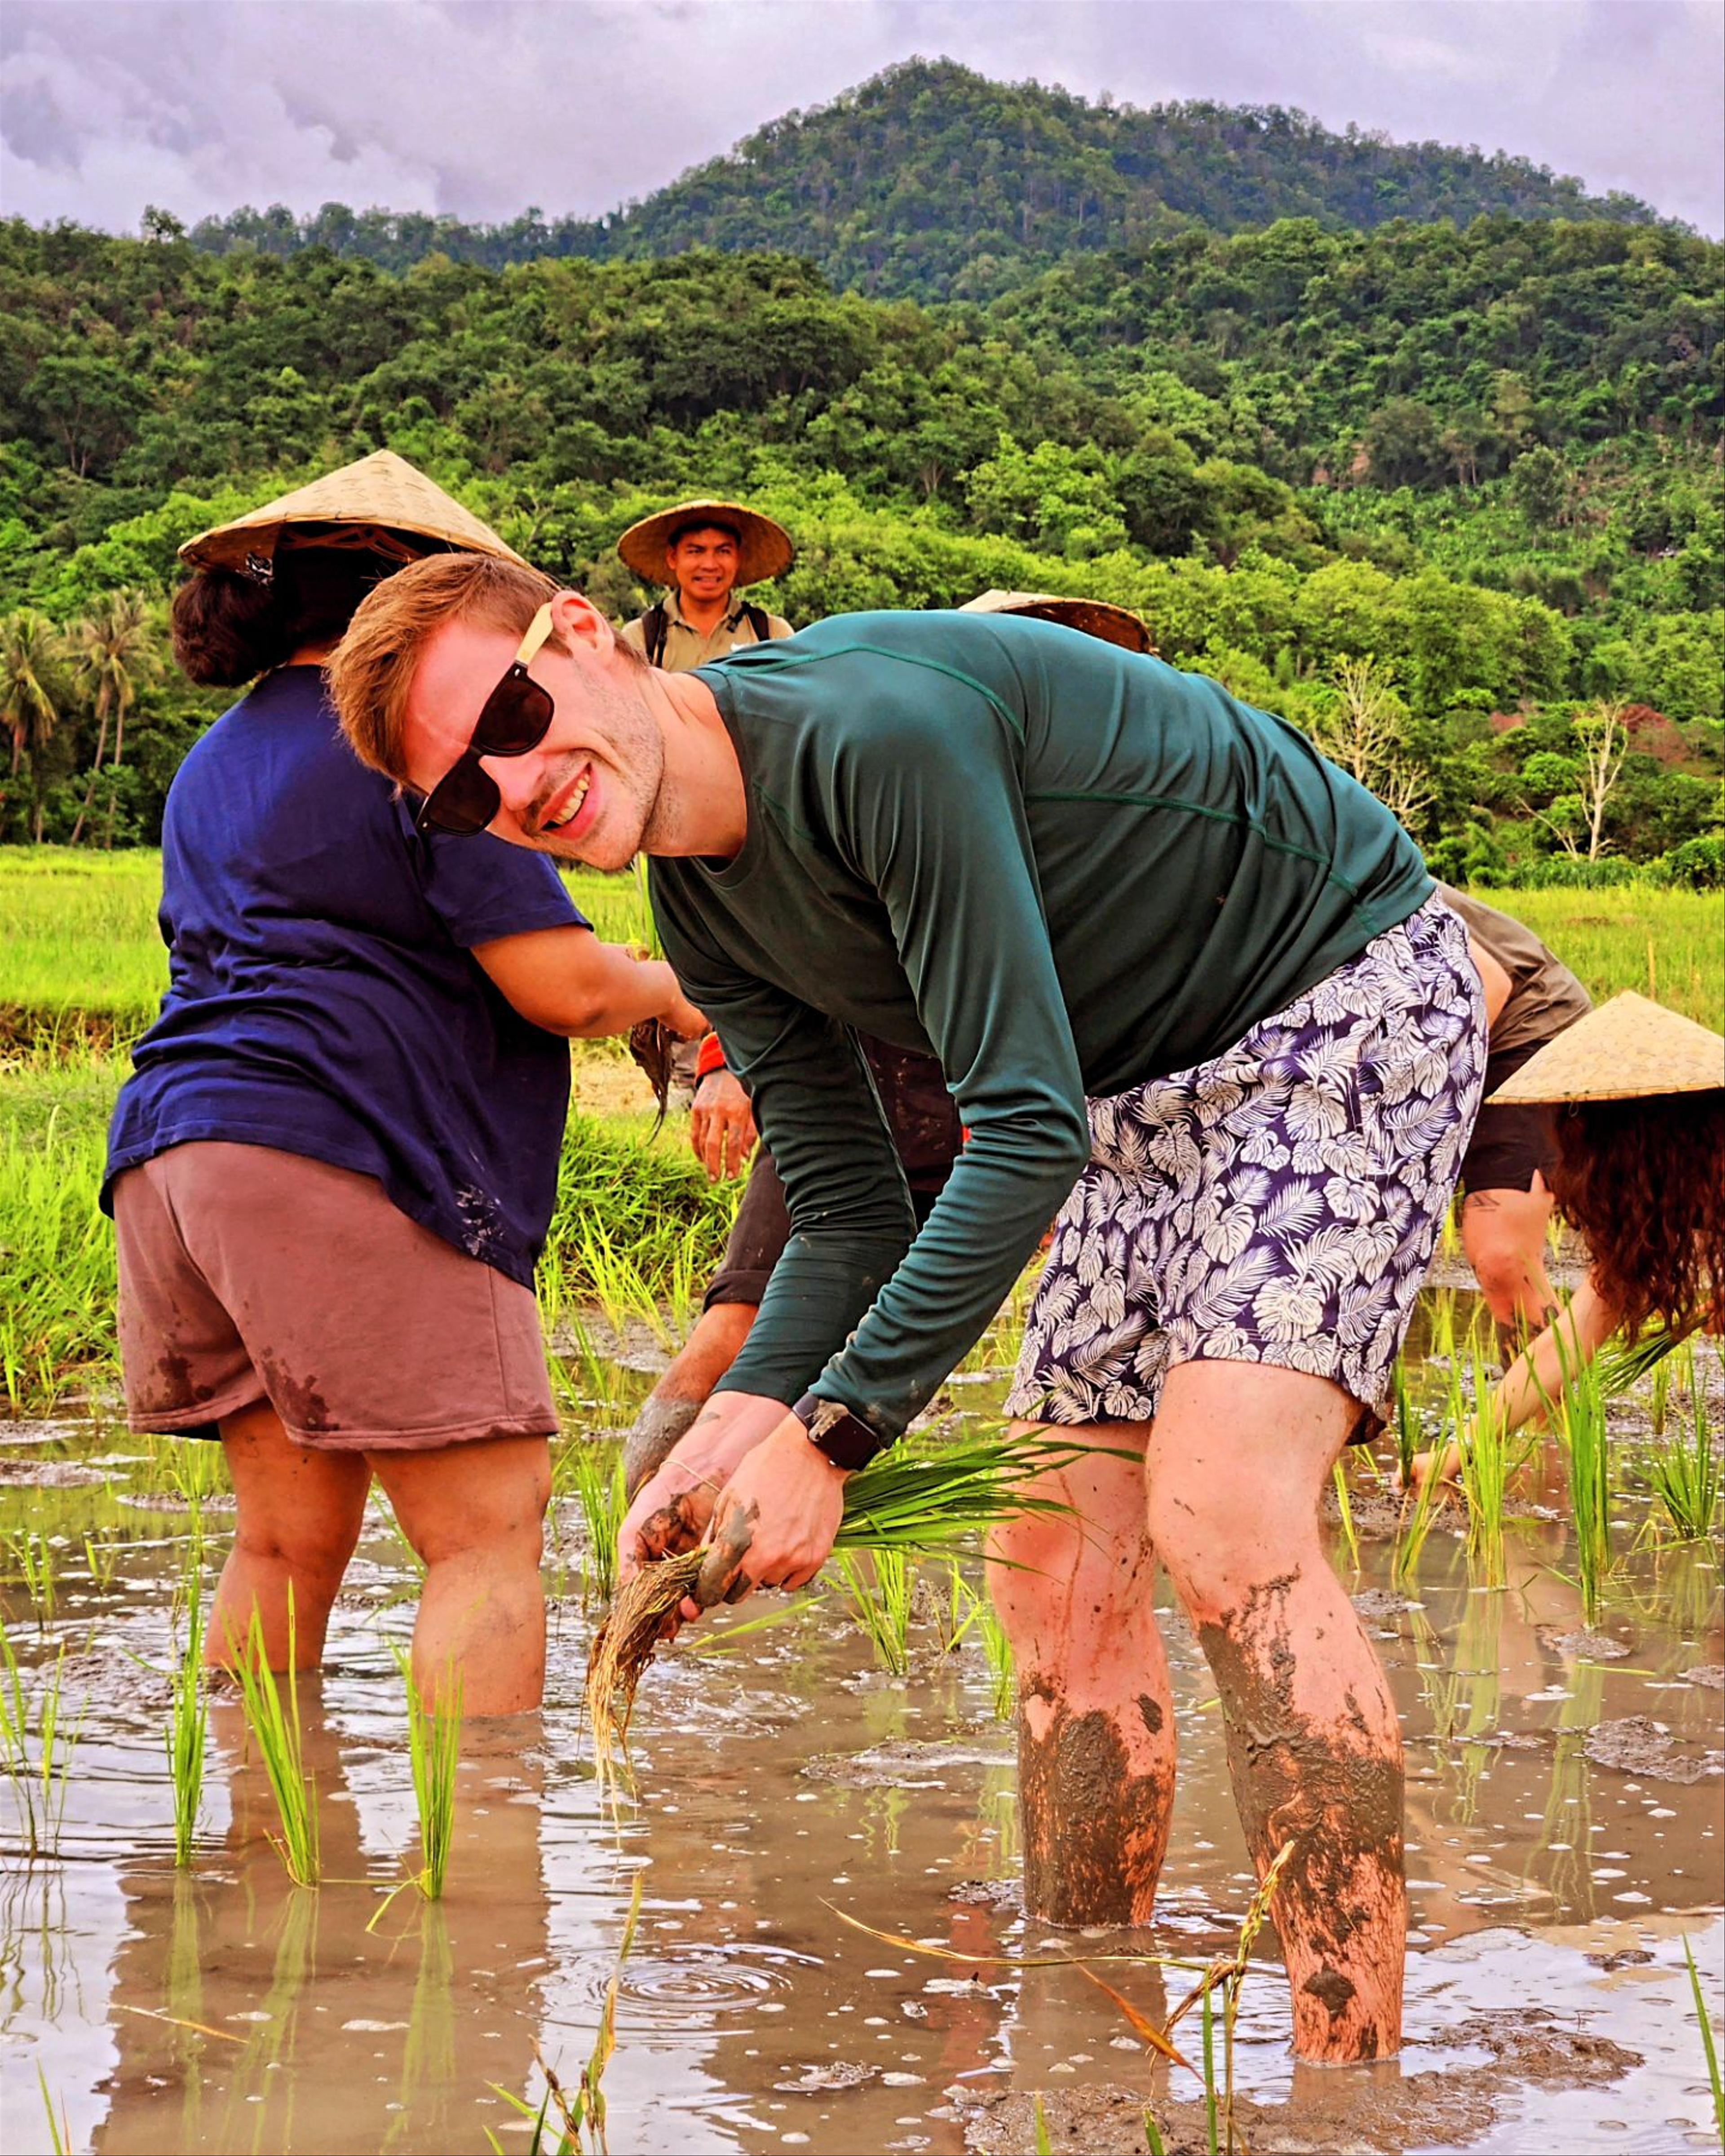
{"x":912,"y":1503}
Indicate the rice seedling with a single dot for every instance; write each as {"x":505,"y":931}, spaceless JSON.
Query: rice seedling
{"x":275,"y":1729}
{"x":434,"y":1748}
{"x":36,"y":1747}
{"x":1044,"y":2139}
{"x":581,"y":2110}
{"x":1228,"y":1977}
{"x":1408,"y":1432}
{"x":910,"y":1502}
{"x":1587,"y":1442}
{"x":1344,"y":1513}
{"x":879,"y":1595}
{"x":1478,"y":1429}
{"x":1623,"y":1363}
{"x":101,"y":1557}
{"x":1418,"y":1514}
{"x":1685,"y":1472}
{"x":30,"y":1558}
{"x":59,"y":2127}
{"x":1003,"y":1678}
{"x":1708,"y":2046}
{"x":187,"y":1734}
{"x":595,"y":1474}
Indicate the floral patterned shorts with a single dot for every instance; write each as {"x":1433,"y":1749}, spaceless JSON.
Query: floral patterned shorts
{"x":1279,"y":1204}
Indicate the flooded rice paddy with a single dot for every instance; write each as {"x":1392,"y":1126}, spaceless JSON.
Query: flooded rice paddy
{"x":1564,"y":1841}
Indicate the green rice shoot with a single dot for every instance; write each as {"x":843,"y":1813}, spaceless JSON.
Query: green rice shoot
{"x":1686,"y":1472}
{"x":186,"y":1735}
{"x":434,"y":1748}
{"x":879,"y":1589}
{"x":276,"y":1731}
{"x":1581,"y":1417}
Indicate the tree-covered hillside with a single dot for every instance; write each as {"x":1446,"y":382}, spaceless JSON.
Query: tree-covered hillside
{"x":931,"y":182}
{"x":1481,"y":636}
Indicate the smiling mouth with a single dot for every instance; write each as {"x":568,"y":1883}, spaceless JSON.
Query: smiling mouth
{"x":570,"y":804}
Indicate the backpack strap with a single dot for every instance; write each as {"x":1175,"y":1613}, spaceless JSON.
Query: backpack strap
{"x":757,"y":619}
{"x":655,"y":628}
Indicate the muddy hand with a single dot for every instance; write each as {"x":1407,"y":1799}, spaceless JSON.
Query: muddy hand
{"x":776,"y":1520}
{"x":672,"y":1512}
{"x":722,"y":1578}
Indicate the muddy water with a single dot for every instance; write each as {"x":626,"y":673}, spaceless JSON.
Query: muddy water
{"x":1564,"y":1837}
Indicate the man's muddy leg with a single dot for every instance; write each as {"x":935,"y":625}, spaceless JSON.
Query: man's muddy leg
{"x":671,"y":1408}
{"x":1238,"y":1460}
{"x":1096,"y":1715}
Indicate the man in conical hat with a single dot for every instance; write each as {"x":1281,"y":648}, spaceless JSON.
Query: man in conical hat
{"x":704,"y":552}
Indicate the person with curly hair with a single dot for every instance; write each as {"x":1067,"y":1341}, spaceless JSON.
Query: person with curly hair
{"x":1639,"y":1174}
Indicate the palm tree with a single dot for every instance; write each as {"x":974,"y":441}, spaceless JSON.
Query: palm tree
{"x":113,"y":653}
{"x":33,"y":686}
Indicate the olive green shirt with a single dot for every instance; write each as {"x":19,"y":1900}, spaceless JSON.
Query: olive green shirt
{"x":1545,"y":998}
{"x":1062,"y":868}
{"x":686,"y":648}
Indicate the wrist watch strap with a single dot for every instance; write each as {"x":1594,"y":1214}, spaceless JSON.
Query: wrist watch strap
{"x":834,"y":1431}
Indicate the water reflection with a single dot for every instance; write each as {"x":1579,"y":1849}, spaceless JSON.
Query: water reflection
{"x":252,"y":2014}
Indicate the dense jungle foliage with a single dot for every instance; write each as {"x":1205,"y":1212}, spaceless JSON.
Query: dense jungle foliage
{"x":932,"y":183}
{"x":1448,"y":498}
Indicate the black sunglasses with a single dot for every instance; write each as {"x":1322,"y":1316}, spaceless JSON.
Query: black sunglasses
{"x":515,"y":718}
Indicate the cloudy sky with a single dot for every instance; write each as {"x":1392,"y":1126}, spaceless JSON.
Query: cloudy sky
{"x":480,"y":107}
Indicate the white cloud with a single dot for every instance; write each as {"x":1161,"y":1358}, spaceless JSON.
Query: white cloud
{"x":481,"y":107}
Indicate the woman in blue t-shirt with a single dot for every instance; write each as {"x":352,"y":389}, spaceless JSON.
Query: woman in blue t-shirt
{"x":332,"y":1171}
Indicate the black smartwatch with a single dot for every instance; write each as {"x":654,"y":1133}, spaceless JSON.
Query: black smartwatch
{"x":838,"y":1435}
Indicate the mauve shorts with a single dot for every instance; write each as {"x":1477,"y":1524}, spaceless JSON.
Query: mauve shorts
{"x":249,"y":1275}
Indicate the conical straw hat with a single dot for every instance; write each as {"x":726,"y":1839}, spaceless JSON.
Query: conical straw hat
{"x":380,"y":494}
{"x":765,"y":546}
{"x":1624,"y":1050}
{"x":1114,"y":624}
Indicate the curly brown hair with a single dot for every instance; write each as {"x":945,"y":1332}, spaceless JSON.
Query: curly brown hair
{"x":1643,"y":1181}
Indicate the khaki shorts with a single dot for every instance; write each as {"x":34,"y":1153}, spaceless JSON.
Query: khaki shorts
{"x":249,"y":1275}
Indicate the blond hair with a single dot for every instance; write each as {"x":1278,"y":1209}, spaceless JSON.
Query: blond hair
{"x":372,"y":674}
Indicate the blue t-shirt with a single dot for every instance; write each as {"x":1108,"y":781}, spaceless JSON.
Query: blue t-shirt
{"x":322,"y":997}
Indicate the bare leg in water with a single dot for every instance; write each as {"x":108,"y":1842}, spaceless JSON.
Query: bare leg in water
{"x":1238,"y":1458}
{"x":1095,"y":1720}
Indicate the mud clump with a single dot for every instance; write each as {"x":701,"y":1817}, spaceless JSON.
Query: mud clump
{"x":906,"y":1763}
{"x":1388,"y":2110}
{"x":1582,"y":1646}
{"x":1637,"y":1745}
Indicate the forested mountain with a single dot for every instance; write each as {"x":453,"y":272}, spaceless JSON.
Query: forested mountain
{"x":1449,"y":498}
{"x":931,"y":182}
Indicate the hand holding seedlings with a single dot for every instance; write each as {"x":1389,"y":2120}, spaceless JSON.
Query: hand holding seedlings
{"x":776,"y":1523}
{"x":673,"y":1509}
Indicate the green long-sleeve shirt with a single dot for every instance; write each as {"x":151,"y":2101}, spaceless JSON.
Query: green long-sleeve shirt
{"x":1065,"y":869}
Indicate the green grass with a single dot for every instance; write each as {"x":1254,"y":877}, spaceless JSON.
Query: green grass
{"x":1715,"y":2083}
{"x":78,"y":938}
{"x":1604,"y":938}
